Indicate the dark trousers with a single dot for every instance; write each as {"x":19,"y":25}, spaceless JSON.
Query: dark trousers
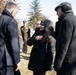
{"x":3,"y":72}
{"x":9,"y":71}
{"x":25,"y":47}
{"x":39,"y":72}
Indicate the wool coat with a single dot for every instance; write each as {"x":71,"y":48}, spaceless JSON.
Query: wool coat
{"x":9,"y":41}
{"x":41,"y":57}
{"x":65,"y":59}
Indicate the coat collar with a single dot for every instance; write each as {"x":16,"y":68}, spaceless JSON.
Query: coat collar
{"x":65,"y":14}
{"x":6,"y":12}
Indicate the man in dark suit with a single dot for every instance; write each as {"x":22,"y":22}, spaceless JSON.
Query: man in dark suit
{"x":65,"y":59}
{"x":9,"y":41}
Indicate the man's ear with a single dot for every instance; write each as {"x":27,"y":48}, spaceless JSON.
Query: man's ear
{"x":12,"y":12}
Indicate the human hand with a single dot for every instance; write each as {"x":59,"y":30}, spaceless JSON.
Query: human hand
{"x":18,"y":66}
{"x":39,"y":37}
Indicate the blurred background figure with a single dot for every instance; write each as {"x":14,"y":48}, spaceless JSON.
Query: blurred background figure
{"x":20,"y":37}
{"x":28,"y":33}
{"x":24,"y":31}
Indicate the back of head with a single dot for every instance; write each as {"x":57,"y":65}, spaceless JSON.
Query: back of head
{"x":65,"y":6}
{"x":10,"y":5}
{"x":12,"y":8}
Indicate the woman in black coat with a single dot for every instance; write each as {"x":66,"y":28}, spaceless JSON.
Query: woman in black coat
{"x":43,"y":46}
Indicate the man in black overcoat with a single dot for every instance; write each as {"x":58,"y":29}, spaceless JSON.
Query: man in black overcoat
{"x":9,"y":41}
{"x":65,"y":59}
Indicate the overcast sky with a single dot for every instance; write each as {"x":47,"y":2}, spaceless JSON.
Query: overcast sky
{"x":47,"y":7}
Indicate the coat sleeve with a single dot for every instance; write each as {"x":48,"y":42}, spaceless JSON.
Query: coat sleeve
{"x":31,"y":41}
{"x":63,"y":43}
{"x":56,"y":30}
{"x":52,"y":44}
{"x":12,"y":30}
